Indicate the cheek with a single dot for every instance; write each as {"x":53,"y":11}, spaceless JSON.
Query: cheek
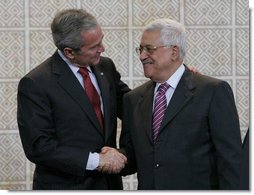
{"x":96,"y":58}
{"x":92,"y":58}
{"x":149,"y":70}
{"x":84,"y":60}
{"x":162,"y":63}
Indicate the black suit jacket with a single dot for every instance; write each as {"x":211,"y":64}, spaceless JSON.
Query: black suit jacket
{"x":199,"y":144}
{"x":58,"y":126}
{"x":245,"y":181}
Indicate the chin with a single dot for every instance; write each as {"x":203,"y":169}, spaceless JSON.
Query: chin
{"x":96,"y":61}
{"x":147,"y":75}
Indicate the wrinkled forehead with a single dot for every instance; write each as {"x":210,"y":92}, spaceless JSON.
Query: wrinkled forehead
{"x":93,"y":36}
{"x":150,"y":37}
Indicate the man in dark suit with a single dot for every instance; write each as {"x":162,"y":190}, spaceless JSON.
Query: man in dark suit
{"x":180,"y":130}
{"x":59,"y":128}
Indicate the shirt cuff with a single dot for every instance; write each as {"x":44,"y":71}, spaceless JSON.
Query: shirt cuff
{"x":93,"y":161}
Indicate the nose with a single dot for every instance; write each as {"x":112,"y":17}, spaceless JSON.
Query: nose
{"x":101,"y":48}
{"x":142,"y":55}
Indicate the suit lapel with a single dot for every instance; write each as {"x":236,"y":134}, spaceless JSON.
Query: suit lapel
{"x":145,"y":108}
{"x":71,"y":85}
{"x":180,"y":98}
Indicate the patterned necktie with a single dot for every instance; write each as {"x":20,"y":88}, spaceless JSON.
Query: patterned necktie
{"x":92,"y":94}
{"x":160,"y":107}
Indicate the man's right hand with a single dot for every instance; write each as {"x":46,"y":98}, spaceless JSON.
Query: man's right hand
{"x":111,"y":161}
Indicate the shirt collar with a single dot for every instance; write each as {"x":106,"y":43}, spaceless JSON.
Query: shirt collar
{"x":174,"y":79}
{"x":73,"y":67}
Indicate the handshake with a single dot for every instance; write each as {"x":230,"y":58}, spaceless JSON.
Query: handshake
{"x":111,"y":160}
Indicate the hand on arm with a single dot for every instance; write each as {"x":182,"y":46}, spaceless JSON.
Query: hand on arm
{"x":193,"y":69}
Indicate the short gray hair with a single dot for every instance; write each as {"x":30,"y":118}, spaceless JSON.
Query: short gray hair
{"x":171,"y":33}
{"x":68,"y":26}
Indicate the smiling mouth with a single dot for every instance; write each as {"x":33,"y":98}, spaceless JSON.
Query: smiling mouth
{"x":146,"y":63}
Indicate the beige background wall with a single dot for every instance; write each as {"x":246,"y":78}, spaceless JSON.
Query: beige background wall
{"x":218,"y":46}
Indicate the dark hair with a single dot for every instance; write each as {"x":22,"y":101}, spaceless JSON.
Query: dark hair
{"x":68,"y":26}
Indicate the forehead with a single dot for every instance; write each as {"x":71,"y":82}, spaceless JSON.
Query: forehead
{"x":150,"y":37}
{"x":93,"y":36}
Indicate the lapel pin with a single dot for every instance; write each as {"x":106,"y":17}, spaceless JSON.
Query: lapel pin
{"x":102,"y":73}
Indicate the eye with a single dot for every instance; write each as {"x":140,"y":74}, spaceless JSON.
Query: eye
{"x":149,"y":49}
{"x":94,"y":47}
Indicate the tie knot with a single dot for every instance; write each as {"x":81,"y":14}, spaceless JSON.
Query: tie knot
{"x":83,"y":71}
{"x":163,"y":87}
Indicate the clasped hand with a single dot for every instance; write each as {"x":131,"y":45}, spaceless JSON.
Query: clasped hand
{"x":111,"y":160}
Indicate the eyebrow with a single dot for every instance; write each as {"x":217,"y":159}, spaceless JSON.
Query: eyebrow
{"x":147,"y":45}
{"x":98,"y":43}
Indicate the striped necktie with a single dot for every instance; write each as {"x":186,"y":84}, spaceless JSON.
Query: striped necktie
{"x":160,"y":107}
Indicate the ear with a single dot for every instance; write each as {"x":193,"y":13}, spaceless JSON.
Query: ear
{"x":175,"y":52}
{"x":69,"y":53}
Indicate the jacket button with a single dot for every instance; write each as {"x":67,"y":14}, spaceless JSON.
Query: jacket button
{"x":157,"y":165}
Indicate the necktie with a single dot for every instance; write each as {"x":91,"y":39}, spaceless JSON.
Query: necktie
{"x":92,"y":94}
{"x":160,"y":107}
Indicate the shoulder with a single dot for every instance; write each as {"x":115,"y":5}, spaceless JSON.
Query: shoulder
{"x":142,"y":89}
{"x":41,"y":70}
{"x":204,"y":84}
{"x":199,"y":79}
{"x":212,"y":81}
{"x":106,"y":64}
{"x":104,"y":60}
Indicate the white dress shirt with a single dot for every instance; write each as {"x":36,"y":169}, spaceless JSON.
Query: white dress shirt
{"x":173,"y":82}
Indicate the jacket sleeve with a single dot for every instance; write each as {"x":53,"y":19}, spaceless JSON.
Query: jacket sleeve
{"x":38,"y":132}
{"x":225,"y":133}
{"x":126,"y":146}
